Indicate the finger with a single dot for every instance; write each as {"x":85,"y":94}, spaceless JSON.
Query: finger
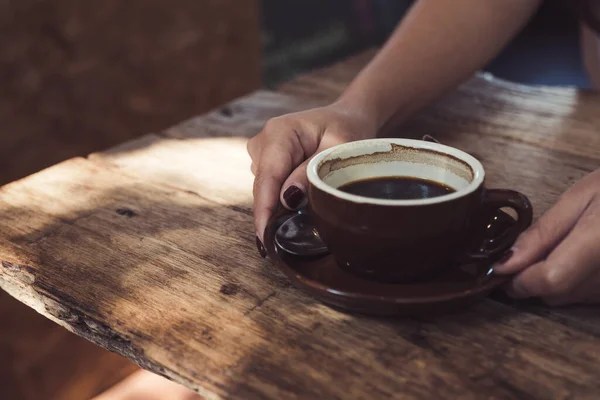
{"x":535,"y":243}
{"x":569,"y":265}
{"x":276,"y":163}
{"x":586,"y":292}
{"x":253,"y":146}
{"x":293,"y":192}
{"x":590,"y":291}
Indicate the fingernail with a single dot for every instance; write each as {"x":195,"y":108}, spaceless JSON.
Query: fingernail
{"x":293,"y":196}
{"x":429,"y":138}
{"x":499,"y":266}
{"x":261,"y":248}
{"x":505,"y":257}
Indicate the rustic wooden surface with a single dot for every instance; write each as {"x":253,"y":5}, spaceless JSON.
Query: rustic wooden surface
{"x":80,"y":76}
{"x":148,"y":250}
{"x":42,"y":360}
{"x":77,"y":77}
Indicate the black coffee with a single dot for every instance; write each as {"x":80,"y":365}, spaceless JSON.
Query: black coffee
{"x":397,"y":188}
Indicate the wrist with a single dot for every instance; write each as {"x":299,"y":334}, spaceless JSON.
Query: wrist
{"x":379,"y":103}
{"x":359,"y":106}
{"x":359,"y":121}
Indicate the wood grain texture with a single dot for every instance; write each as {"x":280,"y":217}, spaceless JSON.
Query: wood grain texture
{"x":41,"y":360}
{"x":556,"y":118}
{"x":147,"y":249}
{"x":78,"y":77}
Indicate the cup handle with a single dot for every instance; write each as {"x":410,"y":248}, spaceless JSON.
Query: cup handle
{"x":493,"y":200}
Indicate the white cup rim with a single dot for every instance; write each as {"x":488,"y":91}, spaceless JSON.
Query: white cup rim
{"x":476,"y":167}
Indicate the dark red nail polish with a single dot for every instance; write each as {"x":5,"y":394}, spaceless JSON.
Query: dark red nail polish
{"x":261,"y":248}
{"x":293,"y":197}
{"x":505,"y":257}
{"x":429,"y":138}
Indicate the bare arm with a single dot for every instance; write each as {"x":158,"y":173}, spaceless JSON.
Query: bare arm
{"x":590,"y":47}
{"x":439,"y":44}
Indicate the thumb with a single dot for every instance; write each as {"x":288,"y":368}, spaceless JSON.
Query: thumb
{"x":293,"y":191}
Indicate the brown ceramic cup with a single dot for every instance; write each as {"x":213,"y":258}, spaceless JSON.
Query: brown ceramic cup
{"x":400,"y":240}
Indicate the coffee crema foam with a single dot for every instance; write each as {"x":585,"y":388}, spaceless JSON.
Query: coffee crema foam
{"x":398,"y":161}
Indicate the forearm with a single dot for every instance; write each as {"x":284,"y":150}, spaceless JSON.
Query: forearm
{"x":590,"y":48}
{"x":438,"y":45}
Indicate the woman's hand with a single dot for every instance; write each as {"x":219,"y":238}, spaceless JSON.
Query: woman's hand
{"x":403,"y":78}
{"x":558,"y":258}
{"x":281,"y":151}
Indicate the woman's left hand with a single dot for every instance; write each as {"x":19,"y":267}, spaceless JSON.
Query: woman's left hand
{"x":558,"y":258}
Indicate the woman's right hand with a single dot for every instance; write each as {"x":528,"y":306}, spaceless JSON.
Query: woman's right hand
{"x":281,"y":151}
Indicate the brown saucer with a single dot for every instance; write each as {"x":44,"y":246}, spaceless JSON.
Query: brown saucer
{"x":324,"y":279}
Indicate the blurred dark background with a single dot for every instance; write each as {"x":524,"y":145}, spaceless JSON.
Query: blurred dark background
{"x":546,"y":52}
{"x":80,"y":76}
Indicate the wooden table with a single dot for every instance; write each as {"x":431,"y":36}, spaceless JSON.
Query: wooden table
{"x":77,"y":76}
{"x":147,"y":249}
